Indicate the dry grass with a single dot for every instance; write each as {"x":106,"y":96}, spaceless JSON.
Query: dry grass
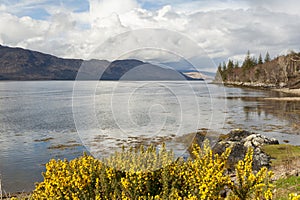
{"x":285,"y":159}
{"x":19,"y":196}
{"x":289,"y":91}
{"x":282,"y":99}
{"x":286,"y":186}
{"x":285,"y":165}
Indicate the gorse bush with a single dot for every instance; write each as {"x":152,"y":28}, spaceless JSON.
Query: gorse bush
{"x":151,"y":174}
{"x":249,"y":185}
{"x":294,"y":196}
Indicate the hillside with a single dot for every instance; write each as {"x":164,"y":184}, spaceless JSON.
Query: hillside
{"x":283,"y":71}
{"x":23,"y":64}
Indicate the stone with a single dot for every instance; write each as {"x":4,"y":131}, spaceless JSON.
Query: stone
{"x":239,"y":141}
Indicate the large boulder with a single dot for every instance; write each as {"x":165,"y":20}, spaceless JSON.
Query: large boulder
{"x":239,"y":141}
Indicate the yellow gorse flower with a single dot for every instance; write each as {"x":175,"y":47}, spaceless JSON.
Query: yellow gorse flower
{"x":148,"y":173}
{"x":294,"y":196}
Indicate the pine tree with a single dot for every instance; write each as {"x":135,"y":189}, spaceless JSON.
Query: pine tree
{"x":219,"y":75}
{"x":224,"y":73}
{"x":230,"y":65}
{"x":267,"y":58}
{"x":253,"y":61}
{"x":220,"y":69}
{"x":260,"y":61}
{"x":248,"y":62}
{"x":236,"y":64}
{"x":224,"y":66}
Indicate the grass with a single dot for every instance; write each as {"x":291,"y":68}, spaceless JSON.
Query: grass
{"x":282,"y":154}
{"x":285,"y":158}
{"x":286,"y":186}
{"x":18,"y":196}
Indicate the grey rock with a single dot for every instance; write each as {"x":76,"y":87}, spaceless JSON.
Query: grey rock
{"x":239,"y":141}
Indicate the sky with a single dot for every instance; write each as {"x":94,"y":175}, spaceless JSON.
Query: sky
{"x":164,"y":31}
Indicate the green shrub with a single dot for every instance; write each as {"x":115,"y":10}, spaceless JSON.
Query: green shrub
{"x":148,"y":174}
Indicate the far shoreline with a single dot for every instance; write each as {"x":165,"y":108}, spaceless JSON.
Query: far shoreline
{"x":295,"y":92}
{"x":288,"y":91}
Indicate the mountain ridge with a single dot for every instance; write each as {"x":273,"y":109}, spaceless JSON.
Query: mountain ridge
{"x":23,"y":64}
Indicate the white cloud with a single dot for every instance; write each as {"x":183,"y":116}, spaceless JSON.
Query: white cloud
{"x":287,"y":6}
{"x":15,"y":30}
{"x":221,"y":31}
{"x":100,"y":9}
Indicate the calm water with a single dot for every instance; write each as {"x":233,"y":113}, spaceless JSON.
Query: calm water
{"x":40,"y":120}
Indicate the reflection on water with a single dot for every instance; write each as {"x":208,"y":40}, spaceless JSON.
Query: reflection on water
{"x":273,"y":118}
{"x":288,"y":111}
{"x":36,"y":120}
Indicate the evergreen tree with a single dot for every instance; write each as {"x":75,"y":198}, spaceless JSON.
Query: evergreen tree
{"x":254,"y":61}
{"x":267,"y":58}
{"x":224,"y":73}
{"x":248,"y":62}
{"x":236,"y":64}
{"x":260,"y":61}
{"x":224,"y":66}
{"x":230,"y":65}
{"x":220,"y":69}
{"x":220,"y":73}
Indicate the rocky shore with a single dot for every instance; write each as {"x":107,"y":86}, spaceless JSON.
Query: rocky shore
{"x":289,"y":91}
{"x":266,"y":86}
{"x":257,"y":85}
{"x":239,"y":141}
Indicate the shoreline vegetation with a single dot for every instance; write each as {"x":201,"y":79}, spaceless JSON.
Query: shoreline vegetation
{"x":294,"y":92}
{"x":241,"y":165}
{"x":279,"y":74}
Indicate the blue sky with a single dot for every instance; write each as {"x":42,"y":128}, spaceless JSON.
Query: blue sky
{"x":38,"y":9}
{"x":221,"y":28}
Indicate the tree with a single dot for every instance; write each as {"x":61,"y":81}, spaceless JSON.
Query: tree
{"x":220,"y":68}
{"x":219,"y":75}
{"x":267,"y":58}
{"x":224,"y":66}
{"x":236,"y":64}
{"x":224,"y":73}
{"x":230,"y":65}
{"x":254,"y":61}
{"x":248,"y":62}
{"x":260,"y":61}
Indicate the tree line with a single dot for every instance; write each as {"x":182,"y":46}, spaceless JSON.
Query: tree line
{"x":248,"y":63}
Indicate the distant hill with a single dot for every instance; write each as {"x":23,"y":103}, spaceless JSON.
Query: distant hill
{"x":283,"y":71}
{"x":199,"y":74}
{"x":23,"y":64}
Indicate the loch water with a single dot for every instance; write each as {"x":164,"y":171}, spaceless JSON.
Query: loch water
{"x":40,"y":120}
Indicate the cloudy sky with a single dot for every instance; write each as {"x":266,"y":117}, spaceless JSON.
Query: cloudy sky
{"x":171,"y":29}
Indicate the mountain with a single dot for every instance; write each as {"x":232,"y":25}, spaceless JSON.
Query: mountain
{"x":283,"y":71}
{"x":23,"y":64}
{"x":199,"y":74}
